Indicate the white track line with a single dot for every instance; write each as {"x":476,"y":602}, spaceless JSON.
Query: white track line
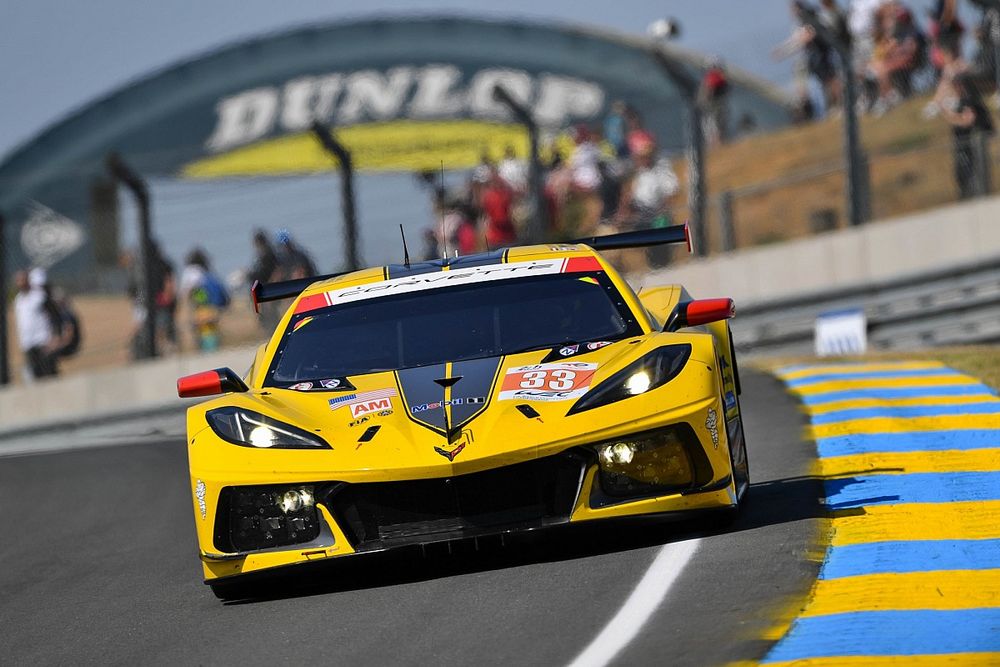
{"x":640,"y":605}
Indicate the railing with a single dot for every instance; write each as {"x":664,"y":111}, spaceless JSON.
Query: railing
{"x":948,"y":307}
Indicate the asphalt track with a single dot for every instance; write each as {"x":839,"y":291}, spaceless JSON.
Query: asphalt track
{"x":98,"y":565}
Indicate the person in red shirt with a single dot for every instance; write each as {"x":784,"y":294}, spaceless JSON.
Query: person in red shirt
{"x":496,"y":201}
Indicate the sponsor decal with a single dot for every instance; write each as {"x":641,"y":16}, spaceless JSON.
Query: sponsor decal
{"x":361,"y":397}
{"x":361,"y":420}
{"x":730,"y":401}
{"x":301,"y":323}
{"x":569,"y":350}
{"x":332,"y":383}
{"x":470,"y":400}
{"x":560,"y":381}
{"x":598,"y":345}
{"x":48,"y":236}
{"x":369,"y":406}
{"x":199,"y":494}
{"x":302,"y":386}
{"x":564,"y":247}
{"x":589,"y":279}
{"x":427,"y":281}
{"x":712,"y":424}
{"x":436,"y":91}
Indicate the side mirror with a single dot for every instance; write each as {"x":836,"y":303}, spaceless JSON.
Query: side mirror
{"x":210,"y":383}
{"x":698,"y":312}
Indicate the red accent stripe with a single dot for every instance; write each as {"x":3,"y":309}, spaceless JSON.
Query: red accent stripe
{"x":207,"y":383}
{"x":687,"y":237}
{"x":582,"y":265}
{"x":311,"y":302}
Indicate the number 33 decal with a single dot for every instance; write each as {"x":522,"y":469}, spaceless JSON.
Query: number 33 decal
{"x":556,"y":380}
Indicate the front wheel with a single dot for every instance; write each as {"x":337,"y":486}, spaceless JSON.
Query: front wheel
{"x":232,"y":590}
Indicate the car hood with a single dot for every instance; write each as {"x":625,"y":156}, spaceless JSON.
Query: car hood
{"x":456,"y":417}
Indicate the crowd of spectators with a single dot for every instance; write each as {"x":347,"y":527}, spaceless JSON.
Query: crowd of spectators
{"x":893,"y":56}
{"x":200,"y":297}
{"x":894,"y":51}
{"x":610,"y":177}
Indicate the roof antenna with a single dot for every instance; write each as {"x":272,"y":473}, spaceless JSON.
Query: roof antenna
{"x":444,"y":235}
{"x":486,"y":240}
{"x":406,"y":253}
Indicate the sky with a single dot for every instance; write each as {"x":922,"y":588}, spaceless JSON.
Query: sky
{"x":60,"y":54}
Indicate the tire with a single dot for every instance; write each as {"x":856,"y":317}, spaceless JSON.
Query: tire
{"x":232,"y":590}
{"x":741,"y":470}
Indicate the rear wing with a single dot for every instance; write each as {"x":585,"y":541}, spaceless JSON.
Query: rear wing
{"x":287,"y":289}
{"x":640,"y":238}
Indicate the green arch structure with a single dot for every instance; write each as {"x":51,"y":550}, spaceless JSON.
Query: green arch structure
{"x":403,"y":92}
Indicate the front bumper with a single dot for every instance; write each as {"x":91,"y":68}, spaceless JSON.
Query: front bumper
{"x":558,"y":489}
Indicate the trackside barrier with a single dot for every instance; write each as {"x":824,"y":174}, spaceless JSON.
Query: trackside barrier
{"x":945,"y":307}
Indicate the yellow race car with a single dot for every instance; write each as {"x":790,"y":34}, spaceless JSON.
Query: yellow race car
{"x":464,"y":397}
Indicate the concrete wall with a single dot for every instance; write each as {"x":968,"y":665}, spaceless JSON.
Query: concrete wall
{"x":947,"y":237}
{"x":952,"y":236}
{"x":114,"y":391}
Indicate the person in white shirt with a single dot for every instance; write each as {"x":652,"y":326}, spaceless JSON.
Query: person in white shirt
{"x":34,"y":326}
{"x":647,"y":194}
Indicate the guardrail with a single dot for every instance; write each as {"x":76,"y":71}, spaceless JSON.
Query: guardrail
{"x":947,"y":307}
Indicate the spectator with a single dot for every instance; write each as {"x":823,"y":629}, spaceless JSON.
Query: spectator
{"x":952,"y":66}
{"x":164,"y":297}
{"x":987,"y":42}
{"x":803,"y":109}
{"x":67,"y":332}
{"x":649,"y":189}
{"x":833,"y":17}
{"x":513,"y":171}
{"x":712,"y":96}
{"x":34,"y":326}
{"x":206,"y":298}
{"x":293,"y":261}
{"x":585,"y":202}
{"x":265,"y":264}
{"x":452,"y":231}
{"x":616,"y":129}
{"x":430,"y":247}
{"x":818,"y":55}
{"x":496,"y":201}
{"x":895,"y":57}
{"x":946,"y":30}
{"x":971,"y":128}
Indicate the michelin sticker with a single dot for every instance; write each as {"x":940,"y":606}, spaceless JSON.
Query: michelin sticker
{"x":561,"y":381}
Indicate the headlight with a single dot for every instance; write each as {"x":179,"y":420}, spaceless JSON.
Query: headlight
{"x":252,"y":429}
{"x":666,"y":460}
{"x":651,"y":371}
{"x":264,"y":517}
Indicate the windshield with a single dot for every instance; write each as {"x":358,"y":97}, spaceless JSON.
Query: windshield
{"x":451,"y":324}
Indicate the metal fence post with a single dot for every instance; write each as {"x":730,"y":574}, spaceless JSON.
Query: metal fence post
{"x":688,"y":86}
{"x":726,"y":228}
{"x":857,"y":170}
{"x":134,"y":182}
{"x":537,"y":218}
{"x":983,"y":177}
{"x":4,"y":359}
{"x":338,"y":150}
